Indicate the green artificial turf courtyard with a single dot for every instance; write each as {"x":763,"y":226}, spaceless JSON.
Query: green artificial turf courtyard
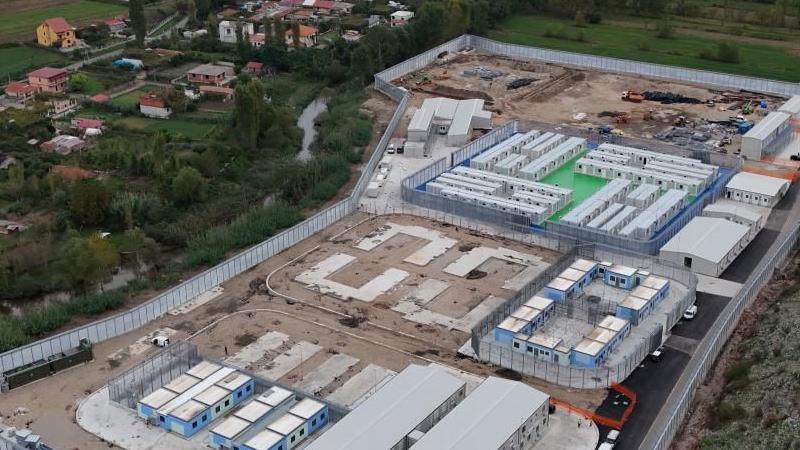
{"x":583,"y":186}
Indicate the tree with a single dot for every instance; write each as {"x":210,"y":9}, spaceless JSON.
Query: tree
{"x":266,"y":22}
{"x":138,"y":21}
{"x":212,"y":25}
{"x":142,"y":246}
{"x":88,"y":262}
{"x":295,"y":34}
{"x":248,"y":112}
{"x":16,"y":179}
{"x":191,"y":13}
{"x":188,"y":186}
{"x":242,"y":42}
{"x":78,"y":82}
{"x":203,"y":8}
{"x":89,"y":202}
{"x":280,"y":31}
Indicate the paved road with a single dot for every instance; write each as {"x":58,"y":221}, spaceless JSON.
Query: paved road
{"x":653,"y":381}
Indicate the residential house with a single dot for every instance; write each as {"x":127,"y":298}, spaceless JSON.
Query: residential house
{"x":342,"y":8}
{"x":82,"y":124}
{"x":257,"y":39}
{"x":254,"y":68}
{"x":115,"y":25}
{"x":308,"y":36}
{"x":56,"y":32}
{"x":227,"y":30}
{"x":63,"y":145}
{"x":212,"y":74}
{"x":61,"y":106}
{"x":49,"y":79}
{"x":21,"y":92}
{"x":152,"y":105}
{"x":401,"y":18}
{"x":351,"y":36}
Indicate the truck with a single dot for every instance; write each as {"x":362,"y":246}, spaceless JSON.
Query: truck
{"x":632,"y":96}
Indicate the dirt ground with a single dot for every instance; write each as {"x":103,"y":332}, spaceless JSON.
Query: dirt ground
{"x":560,"y":93}
{"x":241,"y":314}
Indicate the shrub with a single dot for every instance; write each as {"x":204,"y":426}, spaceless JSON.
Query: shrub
{"x":726,"y":52}
{"x":738,"y":371}
{"x":644,"y":46}
{"x":664,"y":30}
{"x":727,"y":411}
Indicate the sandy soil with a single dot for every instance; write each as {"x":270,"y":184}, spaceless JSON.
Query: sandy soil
{"x":560,"y":93}
{"x":387,"y":339}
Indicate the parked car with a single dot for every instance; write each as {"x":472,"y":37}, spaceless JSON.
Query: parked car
{"x":161,"y":341}
{"x":606,"y":446}
{"x":690,"y":312}
{"x":612,"y":437}
{"x":657,"y":355}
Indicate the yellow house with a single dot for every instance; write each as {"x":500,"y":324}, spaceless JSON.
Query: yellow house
{"x":55,"y":32}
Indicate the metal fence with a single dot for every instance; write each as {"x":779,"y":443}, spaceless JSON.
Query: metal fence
{"x":152,"y":373}
{"x":576,"y":377}
{"x":668,"y":421}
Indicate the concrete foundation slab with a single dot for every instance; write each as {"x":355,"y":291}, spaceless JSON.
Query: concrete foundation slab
{"x":255,"y":351}
{"x":439,"y":243}
{"x":361,"y":386}
{"x":568,"y":431}
{"x":416,"y":313}
{"x":427,"y":291}
{"x":326,"y":373}
{"x":479,"y":255}
{"x":717,"y":286}
{"x":286,"y":362}
{"x":524,"y":277}
{"x":198,"y":301}
{"x":316,"y":279}
{"x":471,"y":380}
{"x":123,"y":428}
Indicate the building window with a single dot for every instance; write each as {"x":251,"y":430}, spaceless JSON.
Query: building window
{"x":314,"y":422}
{"x":205,"y":417}
{"x":516,"y":344}
{"x":322,"y":416}
{"x":161,"y":418}
{"x":293,"y":438}
{"x":302,"y":432}
{"x":239,"y":394}
{"x":194,"y":424}
{"x":248,"y":388}
{"x":218,"y":408}
{"x":227,"y":402}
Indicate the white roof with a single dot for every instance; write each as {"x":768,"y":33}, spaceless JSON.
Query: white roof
{"x":158,"y":398}
{"x":188,"y":410}
{"x":759,"y":184}
{"x":203,"y":369}
{"x":526,"y":313}
{"x":560,"y":284}
{"x":644,"y":292}
{"x":707,"y":238}
{"x":539,"y":303}
{"x":253,"y":411}
{"x":485,"y":419}
{"x":792,"y":106}
{"x":654,"y":283}
{"x":513,"y":324}
{"x":264,"y":440}
{"x":231,"y":427}
{"x":274,"y":396}
{"x":421,"y":120}
{"x":194,"y":390}
{"x":572,"y":274}
{"x":601,"y":334}
{"x":768,"y":125}
{"x":734,"y":209}
{"x":182,"y":383}
{"x":589,"y":347}
{"x":212,"y":395}
{"x":634,"y":303}
{"x":234,"y":381}
{"x":286,"y":424}
{"x":622,"y":270}
{"x":390,"y":414}
{"x":613,"y":323}
{"x":544,"y":340}
{"x":306,"y":408}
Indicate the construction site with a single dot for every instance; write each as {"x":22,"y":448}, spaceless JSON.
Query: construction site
{"x":690,"y":116}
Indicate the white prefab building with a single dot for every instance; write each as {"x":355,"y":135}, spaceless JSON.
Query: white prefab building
{"x":445,"y":116}
{"x":227,"y":31}
{"x":656,"y":215}
{"x":761,"y":136}
{"x":736,"y":213}
{"x":756,"y":189}
{"x":498,"y":414}
{"x":707,"y":245}
{"x":792,"y":106}
{"x":415,"y":399}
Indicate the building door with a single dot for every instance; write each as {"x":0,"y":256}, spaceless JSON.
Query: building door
{"x":687,"y":261}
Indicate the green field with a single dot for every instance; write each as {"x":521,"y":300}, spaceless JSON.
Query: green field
{"x":192,"y":130}
{"x":15,"y":61}
{"x":759,"y":60}
{"x":583,"y":186}
{"x":132,"y":98}
{"x":21,"y":25}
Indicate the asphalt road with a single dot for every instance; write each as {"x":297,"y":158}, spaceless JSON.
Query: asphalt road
{"x":653,"y":381}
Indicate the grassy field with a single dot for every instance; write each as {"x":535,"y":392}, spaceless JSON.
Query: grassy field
{"x":758,"y":60}
{"x":192,"y":130}
{"x":21,"y":24}
{"x":132,"y":97}
{"x":17,"y":60}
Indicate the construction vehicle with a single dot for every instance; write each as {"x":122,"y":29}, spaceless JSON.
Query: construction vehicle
{"x":747,"y":108}
{"x":632,"y":96}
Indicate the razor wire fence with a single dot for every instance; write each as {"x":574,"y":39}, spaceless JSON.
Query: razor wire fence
{"x":670,"y":418}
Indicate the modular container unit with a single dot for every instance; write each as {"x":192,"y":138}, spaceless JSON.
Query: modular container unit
{"x":605,"y":215}
{"x":663,"y":180}
{"x":442,"y":183}
{"x":617,"y":275}
{"x":419,"y":129}
{"x":624,"y":217}
{"x":755,"y":189}
{"x":217,"y":400}
{"x":293,"y":429}
{"x":681,"y":171}
{"x":601,"y":342}
{"x":543,"y":145}
{"x":641,"y":157}
{"x":775,"y":126}
{"x":510,"y":165}
{"x":183,"y":414}
{"x":313,"y":412}
{"x":147,"y":407}
{"x":584,"y":213}
{"x":265,"y":440}
{"x":490,"y":157}
{"x":643,"y":196}
{"x":494,"y":187}
{"x":552,"y":204}
{"x":656,"y":215}
{"x":554,"y":159}
{"x":537,"y":214}
{"x":512,"y":184}
{"x":706,"y":245}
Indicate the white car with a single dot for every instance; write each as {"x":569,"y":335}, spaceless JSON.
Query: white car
{"x":690,"y":312}
{"x":612,"y":437}
{"x":160,"y":341}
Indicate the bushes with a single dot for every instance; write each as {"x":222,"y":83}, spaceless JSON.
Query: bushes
{"x":250,"y":228}
{"x":560,"y":32}
{"x":727,"y":412}
{"x":16,"y":331}
{"x":664,"y":30}
{"x":726,"y":52}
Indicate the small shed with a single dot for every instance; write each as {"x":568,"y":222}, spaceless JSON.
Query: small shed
{"x":618,"y":275}
{"x":706,"y":245}
{"x":756,"y":189}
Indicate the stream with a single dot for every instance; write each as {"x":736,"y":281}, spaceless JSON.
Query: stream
{"x":306,"y":123}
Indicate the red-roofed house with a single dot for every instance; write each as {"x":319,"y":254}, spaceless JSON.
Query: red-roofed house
{"x":55,"y":32}
{"x":63,"y":145}
{"x":115,"y":25}
{"x":308,"y":36}
{"x":257,"y":39}
{"x":152,"y":105}
{"x":22,"y":92}
{"x":49,"y":79}
{"x":82,"y":123}
{"x":254,"y":67}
